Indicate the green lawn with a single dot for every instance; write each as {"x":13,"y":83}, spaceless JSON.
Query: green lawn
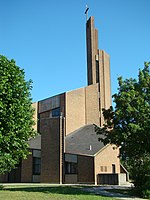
{"x":129,"y":192}
{"x":43,"y":192}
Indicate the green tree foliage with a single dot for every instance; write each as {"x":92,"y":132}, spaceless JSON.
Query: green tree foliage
{"x":128,"y":124}
{"x":16,"y":114}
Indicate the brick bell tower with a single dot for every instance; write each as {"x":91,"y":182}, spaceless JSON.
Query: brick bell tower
{"x":98,"y":66}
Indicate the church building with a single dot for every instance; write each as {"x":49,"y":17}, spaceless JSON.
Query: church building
{"x":67,"y":150}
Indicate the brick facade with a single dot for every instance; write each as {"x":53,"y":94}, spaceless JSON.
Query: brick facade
{"x":51,"y":150}
{"x":105,"y":159}
{"x":85,"y":169}
{"x":26,"y":169}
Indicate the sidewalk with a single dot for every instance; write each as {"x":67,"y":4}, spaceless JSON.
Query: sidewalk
{"x":101,"y":190}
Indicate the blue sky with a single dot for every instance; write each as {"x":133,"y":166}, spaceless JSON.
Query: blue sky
{"x":47,"y":39}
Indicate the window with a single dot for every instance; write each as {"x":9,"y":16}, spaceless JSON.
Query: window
{"x":113,"y":168}
{"x":55,"y":112}
{"x":70,"y":168}
{"x":36,"y":166}
{"x":103,"y":168}
{"x":97,"y":71}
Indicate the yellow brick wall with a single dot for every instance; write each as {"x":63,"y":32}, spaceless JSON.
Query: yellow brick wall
{"x":82,"y":107}
{"x":75,"y":110}
{"x":105,"y":90}
{"x":106,"y":158}
{"x":92,"y":104}
{"x":35,"y":106}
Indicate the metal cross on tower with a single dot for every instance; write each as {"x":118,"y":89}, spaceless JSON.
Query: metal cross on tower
{"x":86,"y":12}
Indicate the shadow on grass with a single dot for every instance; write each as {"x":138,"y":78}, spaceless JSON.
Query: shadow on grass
{"x":69,"y":190}
{"x":128,"y":192}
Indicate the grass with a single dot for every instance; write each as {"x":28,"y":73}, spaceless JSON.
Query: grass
{"x":43,"y":192}
{"x":131,"y":192}
{"x":128,"y":192}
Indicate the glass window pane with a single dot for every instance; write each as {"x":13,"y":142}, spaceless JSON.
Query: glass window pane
{"x":36,"y":166}
{"x":56,"y":112}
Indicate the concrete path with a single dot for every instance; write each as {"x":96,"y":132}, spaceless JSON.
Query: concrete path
{"x":101,"y":190}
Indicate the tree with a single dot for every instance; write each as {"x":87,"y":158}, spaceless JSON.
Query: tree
{"x":16,"y":114}
{"x":128,"y":124}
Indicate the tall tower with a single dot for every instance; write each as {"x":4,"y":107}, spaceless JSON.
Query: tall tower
{"x":98,"y":67}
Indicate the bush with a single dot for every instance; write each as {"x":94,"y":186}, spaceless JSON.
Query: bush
{"x":1,"y":187}
{"x":146,"y":194}
{"x":143,"y":191}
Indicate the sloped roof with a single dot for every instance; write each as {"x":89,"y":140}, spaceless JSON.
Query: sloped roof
{"x":83,"y":141}
{"x":35,"y":143}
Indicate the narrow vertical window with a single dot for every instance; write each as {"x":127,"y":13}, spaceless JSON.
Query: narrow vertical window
{"x":70,"y":168}
{"x":97,"y":71}
{"x":36,"y":166}
{"x":113,"y":168}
